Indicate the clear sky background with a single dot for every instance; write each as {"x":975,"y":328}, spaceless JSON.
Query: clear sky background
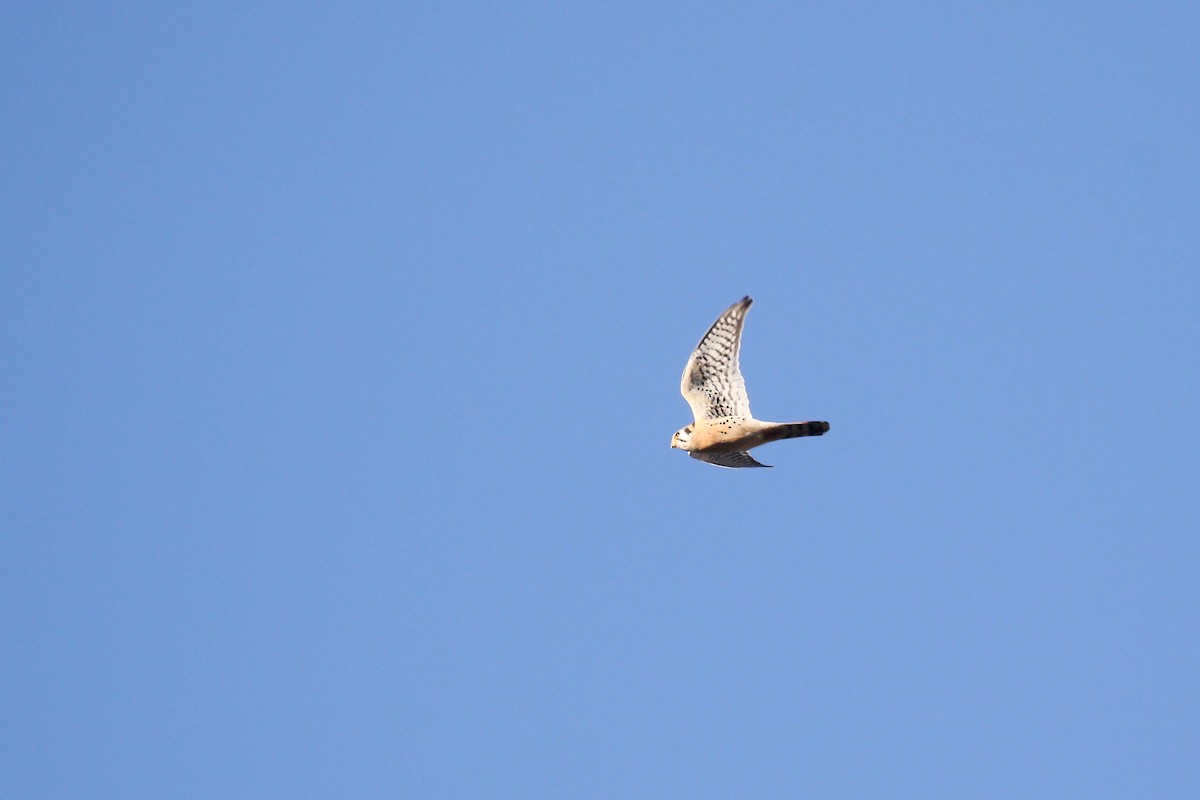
{"x":341,"y":351}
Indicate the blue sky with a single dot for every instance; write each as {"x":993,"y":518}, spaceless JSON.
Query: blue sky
{"x":342,"y":346}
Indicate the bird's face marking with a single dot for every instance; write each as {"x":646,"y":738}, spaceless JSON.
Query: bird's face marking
{"x":682,"y":437}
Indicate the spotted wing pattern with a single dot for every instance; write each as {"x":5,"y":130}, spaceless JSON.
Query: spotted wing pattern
{"x":732,"y":460}
{"x":712,"y":383}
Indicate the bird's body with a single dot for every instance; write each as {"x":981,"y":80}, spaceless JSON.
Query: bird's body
{"x":724,"y":429}
{"x":742,"y":433}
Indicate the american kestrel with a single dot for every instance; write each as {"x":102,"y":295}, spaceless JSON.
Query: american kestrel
{"x":713,"y":386}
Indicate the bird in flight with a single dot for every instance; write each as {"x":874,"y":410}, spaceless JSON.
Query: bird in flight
{"x":725,"y":430}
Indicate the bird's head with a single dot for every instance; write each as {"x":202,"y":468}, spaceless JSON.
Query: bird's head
{"x":682,"y":438}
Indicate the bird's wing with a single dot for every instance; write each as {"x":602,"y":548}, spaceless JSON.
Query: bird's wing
{"x":732,"y":460}
{"x":712,"y":383}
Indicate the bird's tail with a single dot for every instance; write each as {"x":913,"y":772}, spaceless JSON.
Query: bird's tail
{"x":790,"y":430}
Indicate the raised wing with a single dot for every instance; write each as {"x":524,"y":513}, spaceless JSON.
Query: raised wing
{"x":732,"y":460}
{"x":712,"y":383}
